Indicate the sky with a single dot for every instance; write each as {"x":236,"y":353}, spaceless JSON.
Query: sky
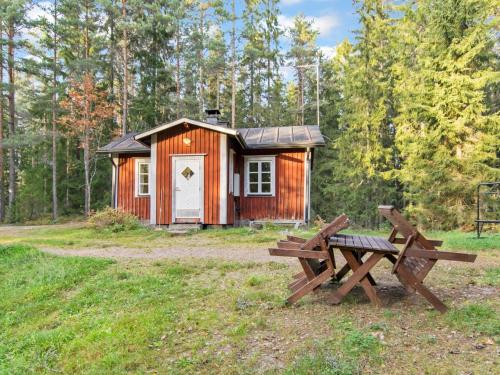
{"x":334,"y":19}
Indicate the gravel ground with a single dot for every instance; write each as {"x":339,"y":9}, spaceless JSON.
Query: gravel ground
{"x":240,"y":254}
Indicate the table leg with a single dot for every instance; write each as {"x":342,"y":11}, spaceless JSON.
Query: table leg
{"x":343,"y":271}
{"x":360,"y":270}
{"x":359,"y":256}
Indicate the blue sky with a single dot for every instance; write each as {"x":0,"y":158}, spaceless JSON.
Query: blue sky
{"x":334,"y":19}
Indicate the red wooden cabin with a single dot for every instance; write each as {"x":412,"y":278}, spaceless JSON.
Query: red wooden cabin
{"x":190,"y":171}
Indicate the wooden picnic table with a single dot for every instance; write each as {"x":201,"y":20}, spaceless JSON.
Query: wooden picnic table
{"x":353,"y":248}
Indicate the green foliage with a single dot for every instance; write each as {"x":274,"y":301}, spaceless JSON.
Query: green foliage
{"x":447,"y":136}
{"x":409,"y":107}
{"x":411,"y":120}
{"x":114,"y":220}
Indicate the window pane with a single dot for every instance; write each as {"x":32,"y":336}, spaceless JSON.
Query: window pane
{"x":144,"y":179}
{"x":254,"y":177}
{"x":254,"y":167}
{"x":143,"y":189}
{"x":266,"y":177}
{"x":266,"y":187}
{"x":254,"y":188}
{"x":266,"y":166}
{"x":143,"y":168}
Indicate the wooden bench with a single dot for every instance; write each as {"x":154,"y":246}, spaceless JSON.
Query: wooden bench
{"x":418,"y":257}
{"x":315,"y":257}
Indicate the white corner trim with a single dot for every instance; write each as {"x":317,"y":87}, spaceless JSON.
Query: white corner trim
{"x":114,"y":180}
{"x":223,"y":179}
{"x":136,"y":176}
{"x":232,"y":153}
{"x":152,"y":182}
{"x":250,"y":158}
{"x":189,"y":121}
{"x":307,"y":186}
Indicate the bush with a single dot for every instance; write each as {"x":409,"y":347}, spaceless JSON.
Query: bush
{"x":115,"y":220}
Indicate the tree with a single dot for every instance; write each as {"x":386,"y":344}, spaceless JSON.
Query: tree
{"x":447,"y":136}
{"x":88,"y":109}
{"x":125,"y":67}
{"x":303,"y":52}
{"x":271,"y":33}
{"x":252,"y":66}
{"x":2,"y":204}
{"x":13,"y":13}
{"x":233,"y":64}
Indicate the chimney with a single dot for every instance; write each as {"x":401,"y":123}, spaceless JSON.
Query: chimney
{"x":213,"y":117}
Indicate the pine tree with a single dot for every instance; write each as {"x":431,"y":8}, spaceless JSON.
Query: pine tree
{"x":2,"y":201}
{"x":302,"y":54}
{"x":252,"y":66}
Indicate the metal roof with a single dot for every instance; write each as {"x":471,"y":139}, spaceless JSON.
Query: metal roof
{"x":282,"y":136}
{"x":124,"y":144}
{"x":249,"y":138}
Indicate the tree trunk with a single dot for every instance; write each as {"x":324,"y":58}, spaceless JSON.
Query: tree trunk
{"x":54,"y":119}
{"x":233,"y":68}
{"x":2,"y":206}
{"x":12,"y":122}
{"x":86,"y":166}
{"x":178,"y":70}
{"x":68,"y":163}
{"x":200,"y":59}
{"x":125,"y":70}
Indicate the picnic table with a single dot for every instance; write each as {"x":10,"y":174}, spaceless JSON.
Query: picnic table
{"x":417,"y":257}
{"x":353,"y":248}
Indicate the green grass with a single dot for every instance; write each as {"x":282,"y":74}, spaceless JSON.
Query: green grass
{"x":94,"y":316}
{"x":82,"y":315}
{"x":478,"y":318}
{"x":79,"y":236}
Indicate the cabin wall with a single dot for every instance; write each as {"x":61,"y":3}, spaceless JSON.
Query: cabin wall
{"x":203,"y":141}
{"x":126,"y":199}
{"x":288,"y":202}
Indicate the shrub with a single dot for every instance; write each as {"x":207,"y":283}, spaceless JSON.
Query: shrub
{"x":115,"y":220}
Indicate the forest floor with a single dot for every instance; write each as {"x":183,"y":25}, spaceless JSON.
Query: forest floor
{"x":213,"y":302}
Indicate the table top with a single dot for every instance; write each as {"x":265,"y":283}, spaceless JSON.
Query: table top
{"x":363,"y":243}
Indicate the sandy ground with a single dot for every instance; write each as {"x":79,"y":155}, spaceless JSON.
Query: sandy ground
{"x":233,"y":253}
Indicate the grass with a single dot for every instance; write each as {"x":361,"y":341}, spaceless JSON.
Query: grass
{"x":78,"y":236}
{"x":93,"y":316}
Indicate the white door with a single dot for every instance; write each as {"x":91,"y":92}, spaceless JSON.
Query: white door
{"x":187,"y":200}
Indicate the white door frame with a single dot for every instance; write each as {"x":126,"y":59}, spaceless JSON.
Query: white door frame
{"x":200,"y":158}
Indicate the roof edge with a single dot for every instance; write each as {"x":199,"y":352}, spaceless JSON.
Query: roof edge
{"x":180,"y":121}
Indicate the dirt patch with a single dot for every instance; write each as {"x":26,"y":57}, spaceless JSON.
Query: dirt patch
{"x":239,"y":254}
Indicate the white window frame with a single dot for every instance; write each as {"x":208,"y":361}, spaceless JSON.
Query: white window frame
{"x":248,"y":160}
{"x":139,"y":161}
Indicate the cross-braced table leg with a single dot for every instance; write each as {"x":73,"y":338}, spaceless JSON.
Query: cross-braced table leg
{"x":346,"y":268}
{"x":360,"y":272}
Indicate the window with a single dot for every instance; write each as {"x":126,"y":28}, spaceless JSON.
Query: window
{"x":141,"y":177}
{"x":259,"y":176}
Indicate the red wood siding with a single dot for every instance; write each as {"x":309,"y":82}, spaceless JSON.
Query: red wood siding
{"x":288,"y":202}
{"x":127,"y":200}
{"x":203,"y":141}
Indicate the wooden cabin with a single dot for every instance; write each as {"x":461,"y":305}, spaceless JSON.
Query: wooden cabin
{"x":191,"y":171}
